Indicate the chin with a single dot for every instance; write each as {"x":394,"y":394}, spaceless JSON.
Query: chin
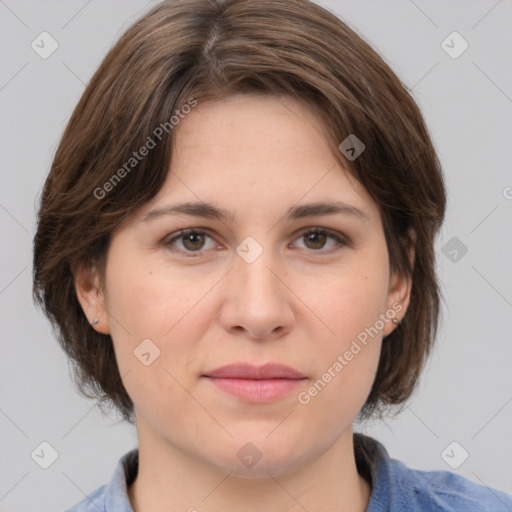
{"x":263,"y":458}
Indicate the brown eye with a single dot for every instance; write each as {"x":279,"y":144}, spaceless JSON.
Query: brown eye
{"x":316,"y":239}
{"x":192,"y":241}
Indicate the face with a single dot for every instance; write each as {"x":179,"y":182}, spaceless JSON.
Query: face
{"x":269,"y":281}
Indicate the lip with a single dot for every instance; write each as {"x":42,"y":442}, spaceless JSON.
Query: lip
{"x":249,"y":371}
{"x":256,"y":384}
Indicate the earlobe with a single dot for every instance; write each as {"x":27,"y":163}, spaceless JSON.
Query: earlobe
{"x":398,"y":302}
{"x":91,"y":298}
{"x":399,"y":295}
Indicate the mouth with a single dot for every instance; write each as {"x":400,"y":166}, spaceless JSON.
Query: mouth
{"x":256,"y":384}
{"x":249,"y":371}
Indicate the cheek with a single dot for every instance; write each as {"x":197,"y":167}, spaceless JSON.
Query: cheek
{"x":346,"y":359}
{"x":350,"y":305}
{"x":171,"y":309}
{"x":154,"y":329}
{"x":353,"y":300}
{"x":150,"y":301}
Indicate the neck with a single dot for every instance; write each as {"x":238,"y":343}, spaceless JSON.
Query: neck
{"x":172,"y":480}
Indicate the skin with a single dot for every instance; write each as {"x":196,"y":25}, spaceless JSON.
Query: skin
{"x":301,"y":303}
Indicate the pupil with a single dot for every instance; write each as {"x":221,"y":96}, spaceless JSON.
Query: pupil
{"x":194,"y":238}
{"x":315,"y":238}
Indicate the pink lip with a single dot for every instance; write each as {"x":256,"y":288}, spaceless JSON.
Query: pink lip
{"x":249,"y":371}
{"x":257,"y":384}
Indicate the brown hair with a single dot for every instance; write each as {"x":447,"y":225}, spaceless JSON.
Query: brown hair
{"x":193,"y":50}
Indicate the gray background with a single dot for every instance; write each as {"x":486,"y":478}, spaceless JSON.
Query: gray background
{"x":466,"y":390}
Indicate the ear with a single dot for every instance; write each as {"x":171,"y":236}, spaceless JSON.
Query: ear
{"x":91,"y":297}
{"x":399,"y":292}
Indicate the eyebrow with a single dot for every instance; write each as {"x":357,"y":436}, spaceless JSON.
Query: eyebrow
{"x":209,"y":211}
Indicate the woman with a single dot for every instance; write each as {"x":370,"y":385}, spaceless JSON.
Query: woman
{"x":236,"y":245}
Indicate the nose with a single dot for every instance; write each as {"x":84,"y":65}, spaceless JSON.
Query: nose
{"x":257,"y":300}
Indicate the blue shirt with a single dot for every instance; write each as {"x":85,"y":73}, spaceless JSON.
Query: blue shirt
{"x":395,"y":487}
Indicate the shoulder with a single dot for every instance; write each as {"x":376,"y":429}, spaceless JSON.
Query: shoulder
{"x":448,"y":492}
{"x":112,"y":497}
{"x":400,"y":488}
{"x":95,"y":502}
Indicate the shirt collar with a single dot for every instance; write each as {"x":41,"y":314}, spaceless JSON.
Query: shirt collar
{"x":116,"y":493}
{"x":372,"y":462}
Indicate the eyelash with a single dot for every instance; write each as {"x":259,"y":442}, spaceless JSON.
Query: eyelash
{"x":168,"y":241}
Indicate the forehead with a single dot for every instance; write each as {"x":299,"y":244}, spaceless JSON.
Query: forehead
{"x":257,"y":152}
{"x":260,"y":123}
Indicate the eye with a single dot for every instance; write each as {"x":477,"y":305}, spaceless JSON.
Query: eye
{"x":316,"y":238}
{"x":192,"y":240}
